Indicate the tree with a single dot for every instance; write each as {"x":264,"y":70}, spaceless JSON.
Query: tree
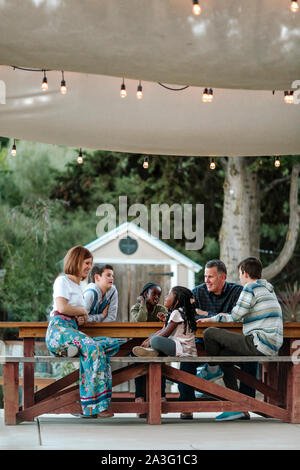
{"x":245,"y":187}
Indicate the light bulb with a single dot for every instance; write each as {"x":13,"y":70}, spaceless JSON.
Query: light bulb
{"x":277,"y":162}
{"x":294,"y":7}
{"x":146,"y":163}
{"x":45,"y":83}
{"x":205,"y":97}
{"x":289,"y":97}
{"x":210,"y":95}
{"x":212,"y":164}
{"x":139,"y":92}
{"x":80,"y":159}
{"x":14,"y":149}
{"x":123,"y":92}
{"x":63,"y":86}
{"x":196,"y":8}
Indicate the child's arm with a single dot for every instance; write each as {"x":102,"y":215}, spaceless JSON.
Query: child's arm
{"x":112,"y":308}
{"x":139,"y":312}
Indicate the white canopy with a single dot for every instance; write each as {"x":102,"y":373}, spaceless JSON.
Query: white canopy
{"x":242,"y":49}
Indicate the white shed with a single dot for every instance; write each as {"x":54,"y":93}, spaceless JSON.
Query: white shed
{"x":137,"y":258}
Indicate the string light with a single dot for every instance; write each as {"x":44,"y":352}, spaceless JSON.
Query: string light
{"x":123,"y":92}
{"x":146,"y":163}
{"x":63,"y":87}
{"x":196,"y":8}
{"x":294,"y":7}
{"x":207,"y":96}
{"x":45,"y":82}
{"x":212,"y":164}
{"x":80,"y":158}
{"x":139,"y":92}
{"x":14,"y":149}
{"x":289,"y":97}
{"x":210,"y":95}
{"x":277,"y":162}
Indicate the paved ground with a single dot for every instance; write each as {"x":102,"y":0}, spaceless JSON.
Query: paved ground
{"x":126,"y":432}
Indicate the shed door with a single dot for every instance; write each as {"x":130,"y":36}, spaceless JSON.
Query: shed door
{"x":130,"y":279}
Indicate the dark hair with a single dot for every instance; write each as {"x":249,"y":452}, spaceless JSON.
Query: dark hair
{"x":147,"y":287}
{"x":74,"y":259}
{"x":251,"y":266}
{"x":182,"y":302}
{"x":216,"y":263}
{"x":98,"y":269}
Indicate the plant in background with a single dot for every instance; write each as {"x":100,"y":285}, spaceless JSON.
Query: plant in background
{"x":289,"y":299}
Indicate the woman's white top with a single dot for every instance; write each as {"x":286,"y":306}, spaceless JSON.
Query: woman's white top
{"x":64,"y":287}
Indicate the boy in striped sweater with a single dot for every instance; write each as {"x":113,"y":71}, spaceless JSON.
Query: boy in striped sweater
{"x":260,"y":312}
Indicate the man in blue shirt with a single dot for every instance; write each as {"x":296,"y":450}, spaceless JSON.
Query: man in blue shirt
{"x":215,"y":295}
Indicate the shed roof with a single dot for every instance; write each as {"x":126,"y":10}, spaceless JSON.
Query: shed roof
{"x":138,"y":232}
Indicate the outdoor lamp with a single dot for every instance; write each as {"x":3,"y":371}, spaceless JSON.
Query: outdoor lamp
{"x":205,"y":96}
{"x":80,"y":159}
{"x":212,"y":164}
{"x":63,"y":87}
{"x":139,"y":92}
{"x":45,"y":82}
{"x":289,"y":97}
{"x":210,"y":96}
{"x":14,"y":149}
{"x":146,"y":163}
{"x":294,"y":7}
{"x":123,"y":92}
{"x":277,"y":162}
{"x":196,"y":7}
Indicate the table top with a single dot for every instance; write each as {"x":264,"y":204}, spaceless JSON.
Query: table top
{"x":132,"y":330}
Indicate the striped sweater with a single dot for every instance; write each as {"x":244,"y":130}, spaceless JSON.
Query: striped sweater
{"x":260,"y":312}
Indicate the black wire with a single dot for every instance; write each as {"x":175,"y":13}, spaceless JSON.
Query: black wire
{"x":173,"y":89}
{"x":29,"y":70}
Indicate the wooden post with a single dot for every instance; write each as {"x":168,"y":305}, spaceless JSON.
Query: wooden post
{"x":28,"y":374}
{"x":11,"y":392}
{"x":293,"y":387}
{"x":154,"y":393}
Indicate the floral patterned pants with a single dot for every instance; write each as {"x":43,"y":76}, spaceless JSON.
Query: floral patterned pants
{"x":95,"y":379}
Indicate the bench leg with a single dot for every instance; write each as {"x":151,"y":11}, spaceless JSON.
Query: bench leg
{"x":11,"y":392}
{"x":28,"y":374}
{"x":154,"y":393}
{"x":293,"y":390}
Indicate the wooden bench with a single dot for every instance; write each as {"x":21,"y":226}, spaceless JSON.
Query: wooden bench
{"x":63,"y":397}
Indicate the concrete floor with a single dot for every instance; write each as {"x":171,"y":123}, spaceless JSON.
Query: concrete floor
{"x":66,"y":432}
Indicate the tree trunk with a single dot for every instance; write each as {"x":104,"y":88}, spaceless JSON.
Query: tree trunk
{"x":292,"y":234}
{"x":239,"y":234}
{"x":240,"y":231}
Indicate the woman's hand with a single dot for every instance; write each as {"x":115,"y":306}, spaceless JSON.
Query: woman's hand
{"x":83,"y":317}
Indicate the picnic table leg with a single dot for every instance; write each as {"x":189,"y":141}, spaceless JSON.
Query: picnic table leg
{"x":11,"y":392}
{"x":154,"y":393}
{"x":28,"y":374}
{"x":293,"y":388}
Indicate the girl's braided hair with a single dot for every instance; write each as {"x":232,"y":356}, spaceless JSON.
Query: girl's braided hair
{"x":182,"y":302}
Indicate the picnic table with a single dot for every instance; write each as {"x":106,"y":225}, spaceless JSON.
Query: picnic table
{"x":280,"y":383}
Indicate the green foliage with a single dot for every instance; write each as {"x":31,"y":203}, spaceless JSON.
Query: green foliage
{"x":289,"y":299}
{"x":48,"y":203}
